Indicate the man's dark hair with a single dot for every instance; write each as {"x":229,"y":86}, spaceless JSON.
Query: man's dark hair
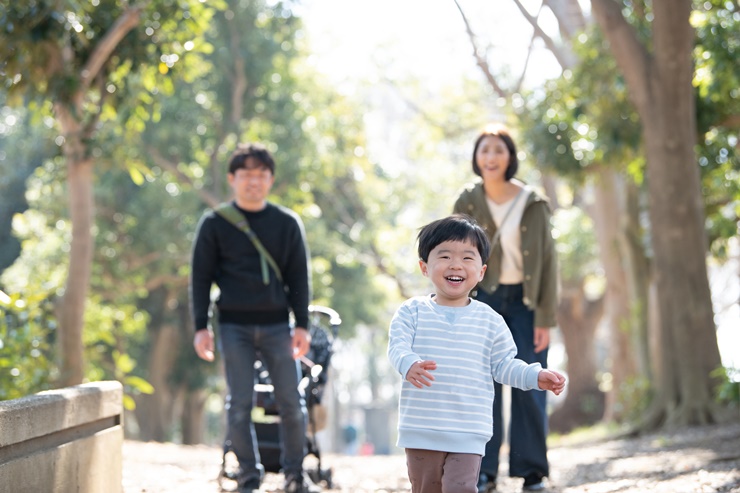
{"x":457,"y":227}
{"x":502,"y":133}
{"x":258,"y":153}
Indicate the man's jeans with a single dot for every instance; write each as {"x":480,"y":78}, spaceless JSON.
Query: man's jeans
{"x":239,"y":345}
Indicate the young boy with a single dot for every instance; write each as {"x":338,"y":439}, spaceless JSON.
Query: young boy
{"x":445,"y":418}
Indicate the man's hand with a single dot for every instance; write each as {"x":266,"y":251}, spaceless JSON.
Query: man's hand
{"x":301,"y":342}
{"x":541,"y":339}
{"x":551,"y":380}
{"x":419,"y":374}
{"x":203,"y":343}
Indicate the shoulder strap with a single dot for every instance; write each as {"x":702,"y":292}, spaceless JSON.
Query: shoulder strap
{"x":231,"y":214}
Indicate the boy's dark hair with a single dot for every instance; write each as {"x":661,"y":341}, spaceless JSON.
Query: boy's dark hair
{"x":457,"y":227}
{"x":240,"y":158}
{"x":500,"y":131}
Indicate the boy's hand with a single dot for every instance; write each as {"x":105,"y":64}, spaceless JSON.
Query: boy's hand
{"x":419,"y":374}
{"x":551,"y":380}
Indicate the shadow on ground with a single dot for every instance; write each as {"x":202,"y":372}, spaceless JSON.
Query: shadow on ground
{"x":703,"y":459}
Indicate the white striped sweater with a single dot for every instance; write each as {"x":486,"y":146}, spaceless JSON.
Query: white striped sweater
{"x":472,"y":346}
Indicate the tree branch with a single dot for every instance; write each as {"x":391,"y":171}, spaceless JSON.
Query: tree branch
{"x":630,"y":54}
{"x":564,"y":59}
{"x":239,"y":83}
{"x":448,"y":132}
{"x":207,"y":197}
{"x":107,"y":45}
{"x":480,"y":60}
{"x":526,"y":60}
{"x":89,"y":127}
{"x":569,"y":15}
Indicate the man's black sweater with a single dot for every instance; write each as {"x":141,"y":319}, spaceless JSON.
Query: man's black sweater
{"x":225,"y":256}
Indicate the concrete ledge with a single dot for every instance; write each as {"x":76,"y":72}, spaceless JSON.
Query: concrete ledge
{"x":63,"y":440}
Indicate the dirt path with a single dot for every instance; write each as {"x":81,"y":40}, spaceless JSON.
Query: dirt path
{"x":702,"y":460}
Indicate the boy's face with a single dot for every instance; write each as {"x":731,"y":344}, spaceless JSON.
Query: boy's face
{"x":455,"y":268}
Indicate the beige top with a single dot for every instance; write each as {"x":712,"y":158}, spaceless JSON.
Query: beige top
{"x":512,"y":270}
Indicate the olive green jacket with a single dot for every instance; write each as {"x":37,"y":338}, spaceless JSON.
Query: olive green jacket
{"x":538,"y":251}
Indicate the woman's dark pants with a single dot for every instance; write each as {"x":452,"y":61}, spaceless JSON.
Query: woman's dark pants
{"x":528,"y":431}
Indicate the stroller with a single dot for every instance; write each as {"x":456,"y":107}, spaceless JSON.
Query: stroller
{"x":323,"y":327}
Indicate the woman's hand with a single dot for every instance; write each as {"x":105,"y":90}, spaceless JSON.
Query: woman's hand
{"x":541,"y":339}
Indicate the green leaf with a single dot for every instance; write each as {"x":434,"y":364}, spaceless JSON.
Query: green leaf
{"x":129,"y":403}
{"x":139,"y":384}
{"x":136,"y":176}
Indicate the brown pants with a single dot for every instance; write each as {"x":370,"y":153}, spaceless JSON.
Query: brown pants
{"x":431,"y":471}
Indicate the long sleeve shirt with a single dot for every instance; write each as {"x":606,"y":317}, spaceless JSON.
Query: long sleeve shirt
{"x":225,"y":256}
{"x":472,"y":346}
{"x":539,"y":258}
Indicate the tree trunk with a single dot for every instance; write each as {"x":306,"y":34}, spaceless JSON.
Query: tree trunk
{"x":71,"y":308}
{"x":154,"y":412}
{"x":660,"y":86}
{"x":578,"y":319}
{"x":608,"y":213}
{"x":637,"y":268}
{"x":193,"y":412}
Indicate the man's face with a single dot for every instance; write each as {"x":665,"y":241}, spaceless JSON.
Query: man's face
{"x":251,"y":185}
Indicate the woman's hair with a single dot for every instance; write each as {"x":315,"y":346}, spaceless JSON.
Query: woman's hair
{"x":500,"y":131}
{"x":240,"y":158}
{"x":457,"y":227}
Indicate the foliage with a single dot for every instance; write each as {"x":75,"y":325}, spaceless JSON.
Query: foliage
{"x":24,"y":143}
{"x":35,"y":281}
{"x":728,"y":390}
{"x":34,"y":34}
{"x":29,"y":325}
{"x":717,"y":83}
{"x":585,"y":117}
{"x":576,"y":247}
{"x":27,"y":328}
{"x":167,"y":140}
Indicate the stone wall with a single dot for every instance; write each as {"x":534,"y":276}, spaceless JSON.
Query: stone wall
{"x":66,"y":440}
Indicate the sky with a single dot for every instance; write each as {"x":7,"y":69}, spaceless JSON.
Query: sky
{"x":427,"y":38}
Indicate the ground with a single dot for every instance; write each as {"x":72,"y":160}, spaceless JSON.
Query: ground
{"x":702,"y":459}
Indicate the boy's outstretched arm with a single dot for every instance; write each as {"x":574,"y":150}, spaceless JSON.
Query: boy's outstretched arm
{"x":418,"y":375}
{"x":551,"y":380}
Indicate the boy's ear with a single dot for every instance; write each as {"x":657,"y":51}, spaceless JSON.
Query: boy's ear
{"x":424,"y":270}
{"x":482,"y":272}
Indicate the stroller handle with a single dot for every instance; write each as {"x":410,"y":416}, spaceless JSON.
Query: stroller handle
{"x":334,"y":318}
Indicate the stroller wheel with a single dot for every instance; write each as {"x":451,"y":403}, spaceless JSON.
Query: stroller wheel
{"x":327,"y":473}
{"x":322,"y":476}
{"x":315,"y":475}
{"x":227,"y":481}
{"x":227,"y":476}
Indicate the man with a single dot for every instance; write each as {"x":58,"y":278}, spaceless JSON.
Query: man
{"x":260,"y":281}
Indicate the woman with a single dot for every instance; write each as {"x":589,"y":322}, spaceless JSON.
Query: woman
{"x":520,"y":283}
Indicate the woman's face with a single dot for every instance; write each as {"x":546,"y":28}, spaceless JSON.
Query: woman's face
{"x":493,"y":158}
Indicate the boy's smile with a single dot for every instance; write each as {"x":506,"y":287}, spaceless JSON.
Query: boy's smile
{"x":455,"y":268}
